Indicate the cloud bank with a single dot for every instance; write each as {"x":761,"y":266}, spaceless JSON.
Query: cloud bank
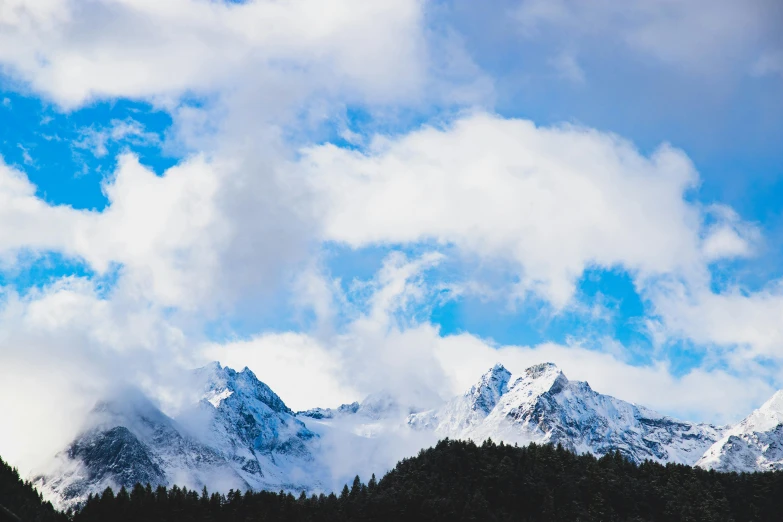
{"x":276,"y":167}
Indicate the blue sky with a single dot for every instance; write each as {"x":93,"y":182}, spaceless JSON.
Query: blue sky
{"x":355,"y":192}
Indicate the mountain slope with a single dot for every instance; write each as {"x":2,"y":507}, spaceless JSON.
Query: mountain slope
{"x":127,"y":439}
{"x":251,"y":426}
{"x":460,"y":481}
{"x":542,"y":405}
{"x":755,"y":444}
{"x":238,"y":435}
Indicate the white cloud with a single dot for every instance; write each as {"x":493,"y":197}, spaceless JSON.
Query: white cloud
{"x":377,"y":353}
{"x":295,"y":365}
{"x":62,"y":347}
{"x":724,"y":242}
{"x":197,"y":237}
{"x":77,"y":343}
{"x":228,"y":219}
{"x":743,"y":324}
{"x":74,"y":52}
{"x":26,"y":157}
{"x":28,"y":221}
{"x":728,"y":236}
{"x":118,"y":131}
{"x":233,"y":216}
{"x":549,"y":201}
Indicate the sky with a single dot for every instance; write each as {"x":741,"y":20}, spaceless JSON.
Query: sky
{"x":356,"y":197}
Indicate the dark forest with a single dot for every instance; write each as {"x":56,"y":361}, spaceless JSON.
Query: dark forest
{"x":454,"y":481}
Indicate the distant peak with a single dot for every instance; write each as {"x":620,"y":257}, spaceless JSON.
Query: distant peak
{"x":496,"y":373}
{"x":767,"y":417}
{"x":247,"y":373}
{"x":774,"y":405}
{"x":498,"y":368}
{"x":492,"y":385}
{"x":542,"y":378}
{"x":213,"y":366}
{"x":225,"y":382}
{"x":534,"y":372}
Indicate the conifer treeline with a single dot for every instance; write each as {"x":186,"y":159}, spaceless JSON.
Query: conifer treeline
{"x":19,"y":498}
{"x":454,"y":481}
{"x":462,"y":481}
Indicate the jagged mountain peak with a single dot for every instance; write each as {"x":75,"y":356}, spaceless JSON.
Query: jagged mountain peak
{"x":222,"y":383}
{"x":378,"y":405}
{"x":543,"y":378}
{"x":539,"y":370}
{"x":236,"y":406}
{"x":755,"y":444}
{"x":484,"y":395}
{"x":235,"y":432}
{"x":772,"y":410}
{"x":542,"y":405}
{"x":498,"y":368}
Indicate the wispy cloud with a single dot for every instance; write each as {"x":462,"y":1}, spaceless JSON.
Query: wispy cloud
{"x":128,"y":131}
{"x":256,"y":91}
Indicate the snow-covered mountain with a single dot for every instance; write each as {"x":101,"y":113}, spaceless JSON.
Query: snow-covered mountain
{"x":542,"y":405}
{"x":243,"y":419}
{"x":755,"y":444}
{"x":376,"y":406}
{"x":239,"y":434}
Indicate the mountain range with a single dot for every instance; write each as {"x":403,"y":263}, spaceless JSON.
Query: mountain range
{"x":239,"y":434}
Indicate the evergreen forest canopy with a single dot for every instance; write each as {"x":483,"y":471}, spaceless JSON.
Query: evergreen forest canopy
{"x":20,"y":501}
{"x":457,"y":481}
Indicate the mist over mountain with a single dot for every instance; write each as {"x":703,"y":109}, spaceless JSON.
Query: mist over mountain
{"x":240,"y":435}
{"x":463,"y":481}
{"x":543,"y":406}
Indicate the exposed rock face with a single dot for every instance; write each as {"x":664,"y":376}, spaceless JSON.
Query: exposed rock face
{"x":117,"y":454}
{"x":542,"y":405}
{"x":240,"y":435}
{"x":755,"y":444}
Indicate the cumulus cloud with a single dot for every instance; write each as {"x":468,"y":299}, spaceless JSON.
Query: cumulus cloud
{"x":63,"y":346}
{"x":376,"y":352}
{"x":246,"y":207}
{"x":191,"y":238}
{"x":223,"y":222}
{"x":741,"y":323}
{"x":28,"y":221}
{"x":728,"y":236}
{"x":73,"y":51}
{"x":550,"y":201}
